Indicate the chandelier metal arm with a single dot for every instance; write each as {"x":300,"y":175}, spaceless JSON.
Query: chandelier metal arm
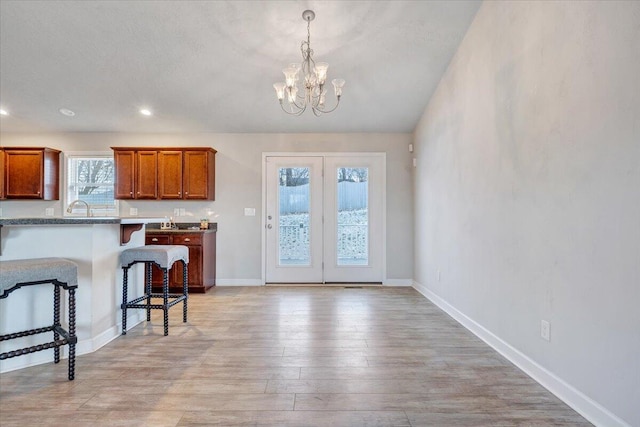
{"x":293,"y":113}
{"x":318,"y":111}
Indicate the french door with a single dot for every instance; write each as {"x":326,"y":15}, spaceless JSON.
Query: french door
{"x":324,"y":218}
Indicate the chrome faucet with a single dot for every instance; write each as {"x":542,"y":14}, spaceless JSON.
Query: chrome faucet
{"x":75,"y":202}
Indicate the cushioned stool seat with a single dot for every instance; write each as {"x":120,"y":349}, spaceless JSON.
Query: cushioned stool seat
{"x":164,"y":256}
{"x":59,"y":272}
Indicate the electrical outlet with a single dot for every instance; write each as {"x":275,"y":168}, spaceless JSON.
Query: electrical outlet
{"x":183,"y":212}
{"x":133,"y":211}
{"x":545,"y":330}
{"x":176,"y":212}
{"x":48,"y":212}
{"x":0,"y":212}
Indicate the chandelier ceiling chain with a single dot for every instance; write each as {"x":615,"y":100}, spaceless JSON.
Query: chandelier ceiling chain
{"x":314,"y":76}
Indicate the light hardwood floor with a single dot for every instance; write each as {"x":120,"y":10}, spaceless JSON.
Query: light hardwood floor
{"x":288,"y":356}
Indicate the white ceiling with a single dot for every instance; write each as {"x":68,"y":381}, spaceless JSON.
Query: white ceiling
{"x":209,"y":66}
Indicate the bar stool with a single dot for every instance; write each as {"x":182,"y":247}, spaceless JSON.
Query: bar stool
{"x":59,"y":272}
{"x":164,"y":256}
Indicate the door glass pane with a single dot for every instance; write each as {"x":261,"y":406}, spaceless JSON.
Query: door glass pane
{"x":353,"y":216}
{"x":294,"y":248}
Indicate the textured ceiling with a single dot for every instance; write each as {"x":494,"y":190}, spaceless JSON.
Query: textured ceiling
{"x":209,"y":66}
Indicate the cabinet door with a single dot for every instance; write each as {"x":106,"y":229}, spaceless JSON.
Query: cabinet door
{"x":125,"y":163}
{"x":198,"y":175}
{"x":156,"y":273}
{"x":2,"y":194}
{"x":147,"y":175}
{"x":170,"y":174}
{"x":24,"y":174}
{"x":194,"y":274}
{"x":194,"y":243}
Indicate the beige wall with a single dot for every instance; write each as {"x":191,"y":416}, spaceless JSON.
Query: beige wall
{"x":239,"y":185}
{"x":527,"y":195}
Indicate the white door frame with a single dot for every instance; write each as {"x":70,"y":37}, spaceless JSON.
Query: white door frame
{"x":323,"y":154}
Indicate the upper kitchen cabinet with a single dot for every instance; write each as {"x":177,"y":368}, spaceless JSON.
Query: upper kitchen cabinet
{"x":181,"y":173}
{"x":170,"y":174}
{"x":2,"y":196}
{"x":136,"y":174}
{"x":30,"y":173}
{"x":199,"y":174}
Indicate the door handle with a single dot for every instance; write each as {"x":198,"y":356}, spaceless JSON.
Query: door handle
{"x":155,"y":239}
{"x":269,"y":226}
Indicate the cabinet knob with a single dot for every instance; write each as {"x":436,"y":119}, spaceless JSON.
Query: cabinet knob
{"x":179,"y":193}
{"x":155,"y":239}
{"x":131,"y":193}
{"x":187,"y":239}
{"x":186,"y":193}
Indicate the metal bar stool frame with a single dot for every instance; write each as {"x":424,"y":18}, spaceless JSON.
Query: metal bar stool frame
{"x":61,"y":336}
{"x":168,"y":300}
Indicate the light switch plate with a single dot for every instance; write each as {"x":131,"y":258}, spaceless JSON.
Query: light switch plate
{"x":133,"y":211}
{"x":545,"y":330}
{"x":48,"y":212}
{"x":249,"y":211}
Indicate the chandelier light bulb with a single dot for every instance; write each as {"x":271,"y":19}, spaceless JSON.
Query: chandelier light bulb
{"x":321,"y":71}
{"x":279,"y":87}
{"x":313,"y":74}
{"x":290,"y":75}
{"x":293,"y":91}
{"x":337,"y":85}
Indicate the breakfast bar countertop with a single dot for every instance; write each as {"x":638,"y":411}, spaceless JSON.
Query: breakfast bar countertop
{"x":74,"y":220}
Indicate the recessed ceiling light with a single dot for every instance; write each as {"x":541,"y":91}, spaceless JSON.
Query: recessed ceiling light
{"x":67,"y":112}
{"x":145,"y":112}
{"x":3,"y":112}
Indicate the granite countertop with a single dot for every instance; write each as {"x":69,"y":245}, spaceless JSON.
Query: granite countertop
{"x":76,"y":220}
{"x":183,"y":227}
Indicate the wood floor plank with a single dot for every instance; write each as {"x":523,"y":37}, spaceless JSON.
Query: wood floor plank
{"x":288,"y":356}
{"x":298,"y":419}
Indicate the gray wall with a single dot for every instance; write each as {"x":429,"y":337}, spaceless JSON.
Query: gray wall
{"x":239,"y":185}
{"x":527,"y":190}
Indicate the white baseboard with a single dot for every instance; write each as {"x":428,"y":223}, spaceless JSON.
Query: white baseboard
{"x":239,"y":282}
{"x":100,"y":340}
{"x":259,"y":282}
{"x":85,"y":346}
{"x":585,"y":406}
{"x":397,"y":282}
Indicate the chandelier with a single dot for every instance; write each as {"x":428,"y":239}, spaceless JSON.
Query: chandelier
{"x":313,"y":75}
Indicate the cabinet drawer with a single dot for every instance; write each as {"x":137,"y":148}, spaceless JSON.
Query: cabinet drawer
{"x":157,"y":240}
{"x":187,"y":239}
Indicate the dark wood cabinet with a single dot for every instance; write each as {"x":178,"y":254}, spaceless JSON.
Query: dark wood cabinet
{"x":199,"y":175}
{"x":179,"y":173}
{"x":202,"y":259}
{"x":30,"y":173}
{"x":2,"y":194}
{"x":136,"y":174}
{"x":170,"y":174}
